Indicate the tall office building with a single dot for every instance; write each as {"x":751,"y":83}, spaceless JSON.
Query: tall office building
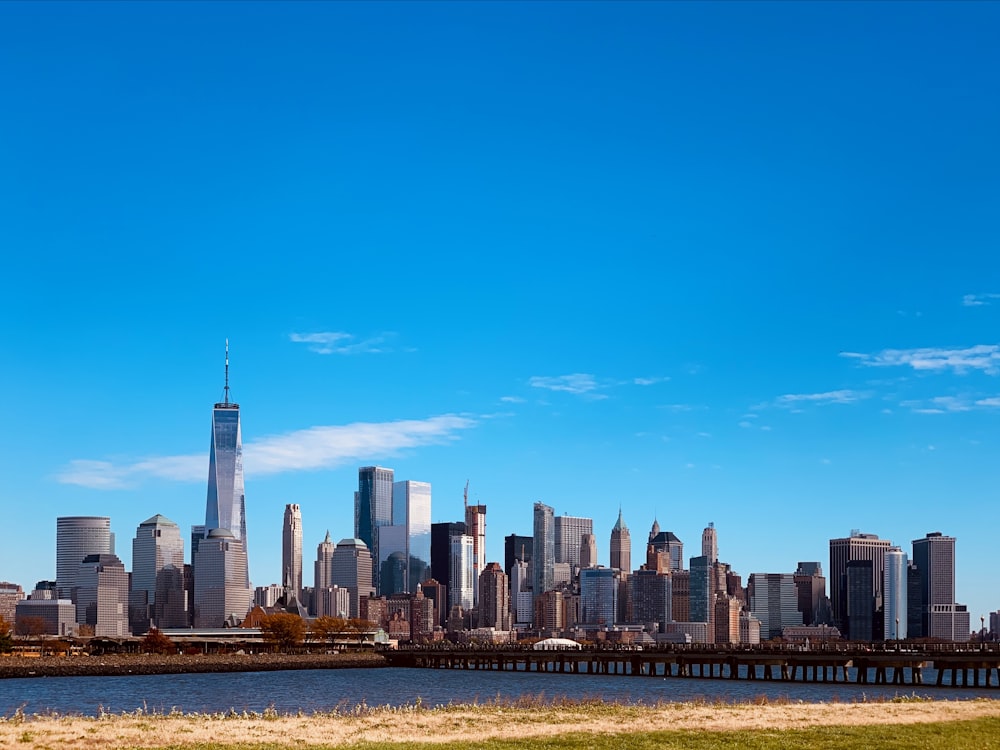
{"x":894,"y":588}
{"x":516,"y":547}
{"x":710,"y":544}
{"x":569,"y":532}
{"x":157,"y":566}
{"x":650,"y":597}
{"x":372,"y":506}
{"x":76,"y":538}
{"x":588,"y":551}
{"x":494,"y":598}
{"x":667,"y":543}
{"x":460,"y":592}
{"x":351,"y":568}
{"x":773,"y":601}
{"x":322,"y":571}
{"x":860,"y":622}
{"x":475,"y":526}
{"x":702,"y":599}
{"x":225,"y":506}
{"x":221,"y":594}
{"x":621,"y":546}
{"x":441,"y":534}
{"x":543,"y":549}
{"x":857,"y":546}
{"x":102,"y":595}
{"x":599,"y":590}
{"x":291,"y":551}
{"x":941,"y":617}
{"x":405,"y":544}
{"x":811,"y":586}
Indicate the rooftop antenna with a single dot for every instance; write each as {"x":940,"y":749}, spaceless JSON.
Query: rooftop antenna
{"x":226,"y":400}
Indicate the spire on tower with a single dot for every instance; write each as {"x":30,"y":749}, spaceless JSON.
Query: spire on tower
{"x":226,"y":399}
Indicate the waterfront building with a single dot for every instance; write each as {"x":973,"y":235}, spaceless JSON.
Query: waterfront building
{"x":894,"y":588}
{"x":934,"y":556}
{"x":621,"y":545}
{"x":650,"y":597}
{"x":475,"y":526}
{"x":494,"y":598}
{"x":76,"y":538}
{"x":351,"y":569}
{"x":690,"y":632}
{"x":323,"y":570}
{"x":857,"y":546}
{"x":569,"y":533}
{"x":291,"y":551}
{"x":667,"y":542}
{"x":10,"y":595}
{"x":749,"y":628}
{"x":543,"y":548}
{"x":860,"y":601}
{"x":221,"y":594}
{"x":157,"y":568}
{"x":53,"y":616}
{"x":102,"y":595}
{"x":373,"y":507}
{"x":599,"y":589}
{"x":516,"y":547}
{"x":462,"y":582}
{"x":774,"y":602}
{"x":710,"y":544}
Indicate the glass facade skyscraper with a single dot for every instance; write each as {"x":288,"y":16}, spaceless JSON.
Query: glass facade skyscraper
{"x":543,"y":549}
{"x":76,"y":538}
{"x":373,"y":507}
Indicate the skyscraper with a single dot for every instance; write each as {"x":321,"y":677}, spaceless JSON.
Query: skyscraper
{"x":102,"y":595}
{"x":702,"y":601}
{"x":291,"y":551}
{"x":322,"y":573}
{"x":405,"y":544}
{"x":773,"y":601}
{"x":599,"y":589}
{"x":516,"y":547}
{"x":543,"y":549}
{"x":352,"y":570}
{"x":894,"y":588}
{"x":621,"y":546}
{"x":460,"y":593}
{"x":157,"y":547}
{"x":588,"y":551}
{"x":857,"y":546}
{"x":569,"y":531}
{"x":441,"y":534}
{"x":710,"y":543}
{"x":934,"y":556}
{"x":494,"y":598}
{"x":372,"y":506}
{"x":76,"y":538}
{"x":221,"y":594}
{"x":475,"y":526}
{"x":666,"y":542}
{"x":860,"y":601}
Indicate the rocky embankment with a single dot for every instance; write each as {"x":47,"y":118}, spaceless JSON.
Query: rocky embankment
{"x":94,"y":666}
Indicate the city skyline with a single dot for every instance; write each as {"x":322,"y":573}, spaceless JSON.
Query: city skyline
{"x":708,"y":263}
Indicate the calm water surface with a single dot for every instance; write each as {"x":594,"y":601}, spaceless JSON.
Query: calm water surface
{"x":323,"y":690}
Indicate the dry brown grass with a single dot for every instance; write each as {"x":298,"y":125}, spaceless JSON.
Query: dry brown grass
{"x":463,"y":723}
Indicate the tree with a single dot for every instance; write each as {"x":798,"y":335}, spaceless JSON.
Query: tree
{"x":6,"y":641}
{"x":30,"y":626}
{"x":283,"y":631}
{"x":156,"y":642}
{"x":329,"y":628}
{"x":360,"y":627}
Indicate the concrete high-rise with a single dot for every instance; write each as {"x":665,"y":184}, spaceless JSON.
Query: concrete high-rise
{"x":621,"y":546}
{"x":441,"y":534}
{"x":351,"y":569}
{"x":773,"y":601}
{"x":650,"y":597}
{"x":76,"y":538}
{"x":702,"y":599}
{"x":157,"y":565}
{"x":291,"y":551}
{"x":941,"y":617}
{"x":811,"y":586}
{"x":666,"y":542}
{"x":460,"y":593}
{"x":494,"y":598}
{"x":322,"y":572}
{"x":102,"y":595}
{"x":710,"y":544}
{"x":894,"y":590}
{"x":221,"y":594}
{"x":569,"y":533}
{"x":860,"y":620}
{"x":543,"y":549}
{"x":857,"y":546}
{"x":475,"y":526}
{"x":516,"y":547}
{"x":588,"y":551}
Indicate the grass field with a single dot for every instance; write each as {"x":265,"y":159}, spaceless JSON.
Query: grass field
{"x":569,"y":724}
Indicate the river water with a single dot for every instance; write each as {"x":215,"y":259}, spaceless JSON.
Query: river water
{"x":325,"y":690}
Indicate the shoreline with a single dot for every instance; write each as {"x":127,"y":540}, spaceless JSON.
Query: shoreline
{"x":118,"y":665}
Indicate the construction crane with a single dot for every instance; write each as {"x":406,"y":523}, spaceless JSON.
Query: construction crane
{"x":465,"y":497}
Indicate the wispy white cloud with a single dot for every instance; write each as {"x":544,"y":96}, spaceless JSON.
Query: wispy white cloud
{"x":985,"y":357}
{"x":649,"y":381}
{"x":828,"y":397}
{"x":512,"y":399}
{"x":338,"y":342}
{"x":314,"y":448}
{"x":578,"y":383}
{"x":951,"y":404}
{"x":978,"y":300}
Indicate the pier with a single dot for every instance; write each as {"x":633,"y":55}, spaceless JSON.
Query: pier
{"x":956,"y":666}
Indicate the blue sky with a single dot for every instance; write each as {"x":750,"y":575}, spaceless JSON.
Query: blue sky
{"x":727,"y":262}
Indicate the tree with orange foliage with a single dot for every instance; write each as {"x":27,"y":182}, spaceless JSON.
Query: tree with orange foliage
{"x":283,"y":631}
{"x":6,"y":639}
{"x":156,"y":642}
